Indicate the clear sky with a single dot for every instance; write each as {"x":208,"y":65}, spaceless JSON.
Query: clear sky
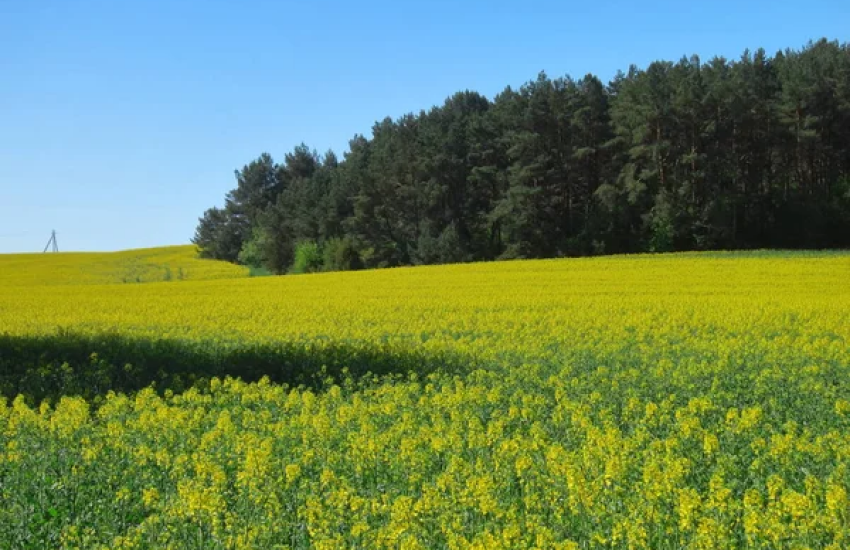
{"x":121,"y":121}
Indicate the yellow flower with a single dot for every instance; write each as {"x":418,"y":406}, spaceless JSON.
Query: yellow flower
{"x":150,"y":497}
{"x":689,"y":503}
{"x":292,"y":471}
{"x":710,"y":443}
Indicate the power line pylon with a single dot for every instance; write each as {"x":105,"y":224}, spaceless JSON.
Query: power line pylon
{"x":52,"y":242}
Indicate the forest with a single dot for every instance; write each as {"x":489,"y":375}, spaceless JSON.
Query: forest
{"x":689,"y":155}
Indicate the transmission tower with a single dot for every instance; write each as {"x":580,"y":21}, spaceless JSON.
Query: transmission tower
{"x":52,"y":244}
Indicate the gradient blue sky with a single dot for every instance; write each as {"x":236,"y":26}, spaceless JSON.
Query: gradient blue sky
{"x":121,"y":121}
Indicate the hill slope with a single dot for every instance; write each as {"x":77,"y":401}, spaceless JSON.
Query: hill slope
{"x":169,"y":263}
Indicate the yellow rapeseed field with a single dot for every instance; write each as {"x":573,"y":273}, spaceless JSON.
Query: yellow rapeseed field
{"x":657,"y":401}
{"x":129,"y":266}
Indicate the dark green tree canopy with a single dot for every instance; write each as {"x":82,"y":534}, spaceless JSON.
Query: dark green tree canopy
{"x":686,"y":155}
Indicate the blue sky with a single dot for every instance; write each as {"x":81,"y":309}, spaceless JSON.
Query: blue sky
{"x":120,"y":122}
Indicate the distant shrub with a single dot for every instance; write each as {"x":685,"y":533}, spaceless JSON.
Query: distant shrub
{"x":252,"y":253}
{"x":449,"y":246}
{"x":340,"y":255}
{"x":308,"y":258}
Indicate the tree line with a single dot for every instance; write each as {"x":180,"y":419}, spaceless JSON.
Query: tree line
{"x":692,"y":155}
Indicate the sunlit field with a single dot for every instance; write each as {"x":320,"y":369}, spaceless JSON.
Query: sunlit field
{"x":170,"y":263}
{"x":655,"y":401}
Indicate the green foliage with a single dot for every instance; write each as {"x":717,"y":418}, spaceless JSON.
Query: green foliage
{"x":449,"y":246}
{"x":662,"y":230}
{"x":308,"y":258}
{"x":340,"y":254}
{"x":253,"y":253}
{"x":219,"y":235}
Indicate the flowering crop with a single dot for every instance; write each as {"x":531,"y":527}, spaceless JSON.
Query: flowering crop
{"x":169,"y":263}
{"x":686,"y":400}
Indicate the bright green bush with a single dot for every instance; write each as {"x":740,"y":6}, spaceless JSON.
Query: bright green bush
{"x":308,"y":258}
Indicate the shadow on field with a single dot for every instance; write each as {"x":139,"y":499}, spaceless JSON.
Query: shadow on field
{"x":68,"y":363}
